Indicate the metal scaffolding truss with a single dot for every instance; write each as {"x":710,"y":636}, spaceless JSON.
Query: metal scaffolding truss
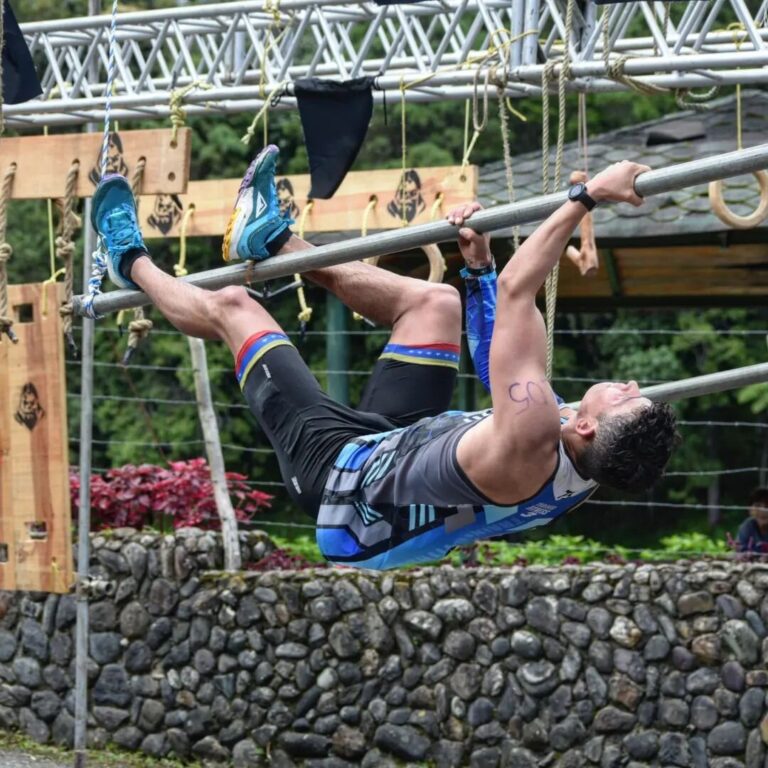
{"x":239,"y":55}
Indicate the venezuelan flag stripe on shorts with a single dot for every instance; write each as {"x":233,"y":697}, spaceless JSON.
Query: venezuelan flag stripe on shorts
{"x":423,"y":354}
{"x":254,"y":349}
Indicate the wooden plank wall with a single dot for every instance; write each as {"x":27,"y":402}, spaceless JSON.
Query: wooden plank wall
{"x":35,"y":516}
{"x":214,"y":200}
{"x":43,"y":162}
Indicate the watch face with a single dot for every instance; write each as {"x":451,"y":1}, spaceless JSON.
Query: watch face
{"x":576,"y":190}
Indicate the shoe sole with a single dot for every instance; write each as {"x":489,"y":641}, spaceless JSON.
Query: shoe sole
{"x":243,"y":205}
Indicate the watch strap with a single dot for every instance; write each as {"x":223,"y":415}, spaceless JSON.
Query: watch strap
{"x":470,"y":272}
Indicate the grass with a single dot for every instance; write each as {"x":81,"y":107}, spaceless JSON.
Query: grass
{"x":102,"y":758}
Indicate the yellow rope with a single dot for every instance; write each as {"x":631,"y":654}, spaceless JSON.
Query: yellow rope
{"x":180,"y":268}
{"x":305,"y":313}
{"x":178,"y":114}
{"x":363,"y":232}
{"x":6,"y":321}
{"x":140,"y":326}
{"x":735,"y":28}
{"x":264,"y":111}
{"x":273,"y":7}
{"x":436,"y":206}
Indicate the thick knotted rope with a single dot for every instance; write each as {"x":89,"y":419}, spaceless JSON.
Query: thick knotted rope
{"x":6,"y":321}
{"x":69,"y":223}
{"x":508,"y":171}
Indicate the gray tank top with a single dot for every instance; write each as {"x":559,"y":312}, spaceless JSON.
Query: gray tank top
{"x":401,"y":497}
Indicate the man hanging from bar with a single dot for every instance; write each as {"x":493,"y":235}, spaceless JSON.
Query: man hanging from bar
{"x":401,"y":479}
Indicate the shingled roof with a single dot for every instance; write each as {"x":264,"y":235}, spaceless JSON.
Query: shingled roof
{"x":673,"y":139}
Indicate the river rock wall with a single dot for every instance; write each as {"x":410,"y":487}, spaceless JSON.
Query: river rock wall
{"x":601,"y":665}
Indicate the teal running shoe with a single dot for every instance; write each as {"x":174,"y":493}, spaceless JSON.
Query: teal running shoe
{"x":257,"y":219}
{"x":114,"y":217}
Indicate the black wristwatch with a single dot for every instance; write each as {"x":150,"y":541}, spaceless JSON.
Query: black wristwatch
{"x":578,"y":194}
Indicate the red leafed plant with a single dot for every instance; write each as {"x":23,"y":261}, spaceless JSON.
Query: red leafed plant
{"x":149,"y":495}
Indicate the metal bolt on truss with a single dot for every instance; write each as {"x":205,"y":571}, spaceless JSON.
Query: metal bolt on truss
{"x":245,"y":53}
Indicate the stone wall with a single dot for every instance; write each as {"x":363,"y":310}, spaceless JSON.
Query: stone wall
{"x":575,"y":666}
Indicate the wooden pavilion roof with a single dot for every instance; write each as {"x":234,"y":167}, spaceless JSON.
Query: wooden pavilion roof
{"x":673,"y":250}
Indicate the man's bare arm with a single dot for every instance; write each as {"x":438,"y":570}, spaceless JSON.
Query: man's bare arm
{"x":526,"y":420}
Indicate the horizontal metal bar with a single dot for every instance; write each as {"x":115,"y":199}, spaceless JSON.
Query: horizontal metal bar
{"x":498,"y":217}
{"x":234,"y":101}
{"x":707,"y":384}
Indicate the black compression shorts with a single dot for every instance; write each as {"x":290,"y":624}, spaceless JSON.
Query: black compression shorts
{"x":308,"y":429}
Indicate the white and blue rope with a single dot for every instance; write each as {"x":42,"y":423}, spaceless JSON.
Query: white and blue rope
{"x":99,"y":257}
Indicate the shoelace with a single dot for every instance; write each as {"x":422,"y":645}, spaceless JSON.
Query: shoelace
{"x":119,"y":227}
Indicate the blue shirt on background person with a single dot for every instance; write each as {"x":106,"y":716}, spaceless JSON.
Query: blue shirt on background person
{"x":753,"y":532}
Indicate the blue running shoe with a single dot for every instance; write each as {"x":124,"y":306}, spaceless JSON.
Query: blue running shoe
{"x":256,"y":220}
{"x":113,"y":215}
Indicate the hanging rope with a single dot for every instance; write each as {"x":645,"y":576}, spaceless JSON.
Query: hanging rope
{"x":177,"y":113}
{"x":363,"y":233}
{"x":615,"y":69}
{"x":99,"y":256}
{"x":585,"y":256}
{"x":715,"y":190}
{"x":140,"y":327}
{"x":6,"y":321}
{"x":69,"y":223}
{"x":180,"y":268}
{"x":508,"y":171}
{"x":685,"y":98}
{"x":111,"y":75}
{"x":305,"y":311}
{"x":565,"y":73}
{"x":272,"y":7}
{"x":2,"y":42}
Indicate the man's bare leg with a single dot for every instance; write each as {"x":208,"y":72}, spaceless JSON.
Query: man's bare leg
{"x":228,"y":314}
{"x":417,"y":311}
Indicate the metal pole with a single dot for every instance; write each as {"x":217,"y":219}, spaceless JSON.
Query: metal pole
{"x":499,"y":217}
{"x":707,"y":384}
{"x":84,"y":501}
{"x":84,"y":512}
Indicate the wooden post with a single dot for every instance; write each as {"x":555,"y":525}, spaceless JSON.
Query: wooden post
{"x":232,"y":557}
{"x":35,"y":516}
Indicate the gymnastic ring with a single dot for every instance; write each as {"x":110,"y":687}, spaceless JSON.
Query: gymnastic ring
{"x":436,"y":262}
{"x":727,"y":216}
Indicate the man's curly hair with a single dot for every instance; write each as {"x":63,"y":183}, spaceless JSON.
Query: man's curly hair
{"x":629,"y":451}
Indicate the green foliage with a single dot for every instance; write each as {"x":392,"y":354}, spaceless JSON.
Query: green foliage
{"x":573,"y":550}
{"x":686,"y":546}
{"x":303,"y":546}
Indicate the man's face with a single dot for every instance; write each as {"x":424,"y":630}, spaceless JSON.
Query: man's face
{"x":610,"y":398}
{"x":760,"y":513}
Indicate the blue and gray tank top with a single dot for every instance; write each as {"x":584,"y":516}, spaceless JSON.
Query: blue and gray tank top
{"x":401,"y":498}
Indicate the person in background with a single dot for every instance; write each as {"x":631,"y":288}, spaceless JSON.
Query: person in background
{"x":753,"y":532}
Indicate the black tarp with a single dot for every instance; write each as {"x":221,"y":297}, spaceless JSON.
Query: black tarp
{"x":20,"y":81}
{"x":335,"y":119}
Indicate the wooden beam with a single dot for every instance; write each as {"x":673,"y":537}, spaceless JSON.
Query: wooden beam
{"x":35,"y":518}
{"x":43,"y":162}
{"x":344,"y":212}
